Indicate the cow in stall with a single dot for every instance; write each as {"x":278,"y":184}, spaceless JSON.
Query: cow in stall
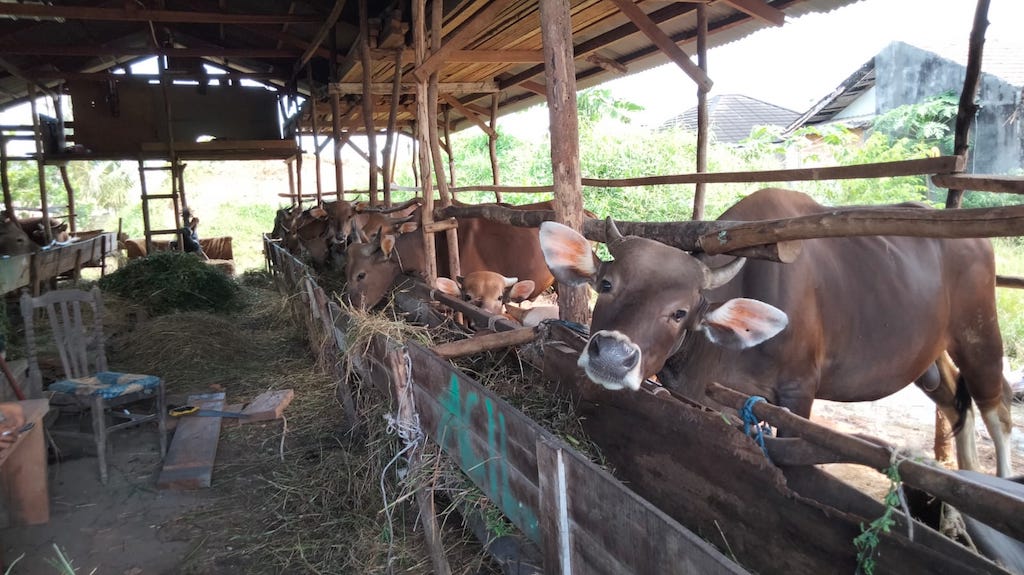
{"x":284,"y":228}
{"x":852,"y":319}
{"x":34,"y":228}
{"x":484,"y":245}
{"x":13,"y":239}
{"x":496,"y":294}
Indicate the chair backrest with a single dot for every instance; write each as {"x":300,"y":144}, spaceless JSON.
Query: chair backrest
{"x":72,"y":336}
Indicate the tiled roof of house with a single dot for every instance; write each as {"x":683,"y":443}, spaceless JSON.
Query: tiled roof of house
{"x":731,"y":117}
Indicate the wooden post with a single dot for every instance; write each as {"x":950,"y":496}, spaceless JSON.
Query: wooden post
{"x":316,"y":134}
{"x":702,"y":112}
{"x":371,"y":134}
{"x":291,"y":182}
{"x":560,"y":78}
{"x":40,"y":164}
{"x":492,"y":145}
{"x":72,"y":215}
{"x":968,"y":108}
{"x":448,"y":146}
{"x":339,"y":177}
{"x":389,"y":145}
{"x":452,"y":235}
{"x":419,"y":22}
{"x":4,"y":181}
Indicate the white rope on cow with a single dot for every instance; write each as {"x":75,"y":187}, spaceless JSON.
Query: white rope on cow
{"x":407,"y":426}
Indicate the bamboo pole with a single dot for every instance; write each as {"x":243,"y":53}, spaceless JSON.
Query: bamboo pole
{"x":995,"y":507}
{"x":40,"y":165}
{"x":492,"y":147}
{"x":452,"y":235}
{"x":419,"y":22}
{"x":389,"y":145}
{"x":367,"y":97}
{"x":968,"y":108}
{"x":702,"y":112}
{"x":560,"y":79}
{"x":316,"y":134}
{"x":5,"y":182}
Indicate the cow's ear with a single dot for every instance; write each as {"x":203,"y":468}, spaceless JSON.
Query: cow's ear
{"x":448,"y":287}
{"x":408,"y":227}
{"x":741,"y":323}
{"x":387,"y":244}
{"x":567,"y":254}
{"x":521,"y":290}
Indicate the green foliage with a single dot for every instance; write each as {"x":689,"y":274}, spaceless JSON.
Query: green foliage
{"x":929,"y":123}
{"x":165,"y":282}
{"x":867,"y":542}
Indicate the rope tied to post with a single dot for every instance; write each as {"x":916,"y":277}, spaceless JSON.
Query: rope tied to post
{"x":760,"y":428}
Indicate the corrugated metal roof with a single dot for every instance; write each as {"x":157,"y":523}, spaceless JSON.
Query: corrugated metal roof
{"x":731,"y":117}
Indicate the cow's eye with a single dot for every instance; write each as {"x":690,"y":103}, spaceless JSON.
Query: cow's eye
{"x":605,"y":286}
{"x":360,"y":276}
{"x":466,"y":297}
{"x":679,"y":314}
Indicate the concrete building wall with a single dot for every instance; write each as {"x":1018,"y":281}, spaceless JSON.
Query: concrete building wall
{"x":909,"y":75}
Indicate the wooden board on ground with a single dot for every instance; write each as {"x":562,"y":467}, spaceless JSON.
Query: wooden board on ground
{"x":189,"y":461}
{"x":267,"y":406}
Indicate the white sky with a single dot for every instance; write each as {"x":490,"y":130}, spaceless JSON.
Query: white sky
{"x":795,"y":65}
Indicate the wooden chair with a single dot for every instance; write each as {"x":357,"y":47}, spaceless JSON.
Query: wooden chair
{"x":87,"y":383}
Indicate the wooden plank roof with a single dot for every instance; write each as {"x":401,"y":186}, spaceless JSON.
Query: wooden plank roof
{"x":497,"y":47}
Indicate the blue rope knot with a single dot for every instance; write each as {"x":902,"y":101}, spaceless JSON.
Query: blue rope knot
{"x":761,"y":428}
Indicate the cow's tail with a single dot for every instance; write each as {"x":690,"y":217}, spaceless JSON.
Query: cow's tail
{"x":961,"y":403}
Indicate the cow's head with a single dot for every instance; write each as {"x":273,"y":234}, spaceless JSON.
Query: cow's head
{"x":13,"y":239}
{"x":649,"y":297}
{"x":370,"y":269}
{"x":489,"y":291}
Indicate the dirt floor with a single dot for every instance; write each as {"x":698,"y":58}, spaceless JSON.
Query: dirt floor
{"x":263,"y":516}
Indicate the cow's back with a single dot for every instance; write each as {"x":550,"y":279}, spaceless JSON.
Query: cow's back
{"x":867,"y":314}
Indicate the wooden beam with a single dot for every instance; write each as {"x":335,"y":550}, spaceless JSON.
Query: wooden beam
{"x":472,"y":56}
{"x":867,"y":221}
{"x":464,"y":35}
{"x":134,"y":14}
{"x":485,"y":342}
{"x":535,"y":87}
{"x":703,"y":136}
{"x":384,"y":88}
{"x":980,"y":183}
{"x":114,"y":51}
{"x":968,"y":108}
{"x":663,"y":42}
{"x":318,"y":38}
{"x":455,"y":103}
{"x":608,"y":64}
{"x":759,"y":10}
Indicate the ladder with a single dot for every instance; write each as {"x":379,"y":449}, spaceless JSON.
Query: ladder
{"x":176,"y":195}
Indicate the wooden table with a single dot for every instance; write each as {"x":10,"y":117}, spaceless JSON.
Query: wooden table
{"x":23,"y":470}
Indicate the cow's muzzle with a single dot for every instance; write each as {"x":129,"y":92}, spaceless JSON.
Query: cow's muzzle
{"x":612,"y":360}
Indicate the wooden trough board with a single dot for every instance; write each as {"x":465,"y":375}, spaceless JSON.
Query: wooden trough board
{"x":697,"y":467}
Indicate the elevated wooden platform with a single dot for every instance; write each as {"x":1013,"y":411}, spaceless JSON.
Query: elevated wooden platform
{"x":197,"y":151}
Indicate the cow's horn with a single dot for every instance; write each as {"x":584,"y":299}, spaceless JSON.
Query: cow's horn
{"x":611,"y":232}
{"x":720,"y":276}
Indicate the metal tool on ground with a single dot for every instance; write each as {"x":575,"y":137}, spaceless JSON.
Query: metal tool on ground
{"x":193,"y":410}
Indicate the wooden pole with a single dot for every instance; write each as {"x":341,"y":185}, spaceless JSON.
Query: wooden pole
{"x":339,"y":177}
{"x":72,"y":214}
{"x":492,"y":146}
{"x":291,"y":183}
{"x":485,"y":342}
{"x":560,"y":78}
{"x":4,"y":180}
{"x":389,"y":145}
{"x":371,"y":134}
{"x":997,"y":508}
{"x":419,"y":22}
{"x":40,"y":165}
{"x":968,"y":108}
{"x":448,"y":145}
{"x":452,"y":235}
{"x":316,"y":135}
{"x":702,"y":112}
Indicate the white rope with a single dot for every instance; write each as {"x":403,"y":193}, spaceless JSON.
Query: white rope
{"x":408,"y":429}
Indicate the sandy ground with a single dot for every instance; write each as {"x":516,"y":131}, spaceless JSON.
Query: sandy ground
{"x":125,"y":527}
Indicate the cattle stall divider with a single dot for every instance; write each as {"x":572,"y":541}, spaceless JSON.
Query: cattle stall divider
{"x":711,"y":480}
{"x":46,"y":265}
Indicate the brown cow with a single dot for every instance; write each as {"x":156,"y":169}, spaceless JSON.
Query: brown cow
{"x":487,"y":290}
{"x":866,"y":316}
{"x":13,"y":239}
{"x":33,"y":226}
{"x":484,"y":245}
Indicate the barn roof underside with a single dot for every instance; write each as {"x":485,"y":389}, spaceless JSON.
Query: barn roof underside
{"x":497,"y":45}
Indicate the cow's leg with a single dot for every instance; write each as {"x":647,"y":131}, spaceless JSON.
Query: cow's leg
{"x":981,"y":370}
{"x":939,"y":383}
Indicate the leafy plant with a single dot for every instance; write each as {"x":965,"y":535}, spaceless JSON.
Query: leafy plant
{"x":867,"y":542}
{"x":174,"y":281}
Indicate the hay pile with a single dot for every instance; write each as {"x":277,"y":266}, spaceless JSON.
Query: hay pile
{"x":173,"y":281}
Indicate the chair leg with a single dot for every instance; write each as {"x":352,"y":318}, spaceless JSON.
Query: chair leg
{"x":99,"y":431}
{"x":161,"y":408}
